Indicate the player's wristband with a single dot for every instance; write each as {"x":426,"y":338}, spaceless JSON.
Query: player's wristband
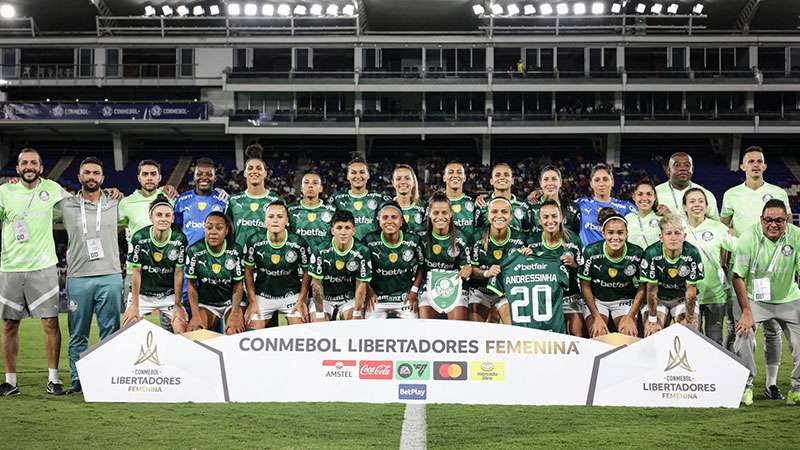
{"x":319,"y":315}
{"x":652,"y":319}
{"x":356,"y":313}
{"x":414,"y":289}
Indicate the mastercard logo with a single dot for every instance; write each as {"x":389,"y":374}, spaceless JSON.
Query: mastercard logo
{"x":450,"y":370}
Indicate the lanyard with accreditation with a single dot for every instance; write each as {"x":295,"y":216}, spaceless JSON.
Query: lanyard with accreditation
{"x":94,"y":245}
{"x":21,"y":232}
{"x":720,"y":273}
{"x":761,"y":286}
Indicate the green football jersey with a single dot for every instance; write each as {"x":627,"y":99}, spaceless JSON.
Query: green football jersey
{"x":134,"y":213}
{"x":157,"y":261}
{"x":752,"y":264}
{"x":571,"y":213}
{"x":414,"y":216}
{"x":494,"y":252}
{"x":214,"y":273}
{"x":573,"y":246}
{"x":643,"y":231}
{"x":248,"y":214}
{"x":394,"y":267}
{"x":521,"y":215}
{"x":463,"y":209}
{"x":339,"y":271}
{"x":710,"y":237}
{"x":672,"y":275}
{"x":312,"y":223}
{"x":277,"y":267}
{"x":534,"y":287}
{"x":362,"y":206}
{"x":34,"y":207}
{"x":612,"y":279}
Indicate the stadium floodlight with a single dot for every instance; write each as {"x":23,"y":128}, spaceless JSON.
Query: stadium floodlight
{"x":214,"y":10}
{"x":316,"y":9}
{"x":598,"y":8}
{"x":478,"y":10}
{"x":198,"y":10}
{"x":349,"y":10}
{"x":579,"y":9}
{"x":616,"y":8}
{"x":562,"y":9}
{"x":698,"y":8}
{"x":149,"y":11}
{"x":496,"y":9}
{"x":267,"y":10}
{"x":234,"y":9}
{"x":7,"y":11}
{"x":657,"y":8}
{"x":529,"y":10}
{"x":284,"y":10}
{"x":512,"y":9}
{"x":300,"y":10}
{"x":641,"y":8}
{"x":546,"y":9}
{"x":182,"y":10}
{"x":165,"y":10}
{"x":250,"y":9}
{"x":332,"y":10}
{"x":673,"y":8}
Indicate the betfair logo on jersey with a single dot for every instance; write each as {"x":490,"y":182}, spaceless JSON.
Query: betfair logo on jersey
{"x":339,"y":264}
{"x":497,"y":254}
{"x":216,"y":268}
{"x":275,"y":259}
{"x":450,"y":370}
{"x":312,"y":217}
{"x":612,"y":272}
{"x":487,"y":371}
{"x":679,"y":359}
{"x":157,"y":257}
{"x":413,"y":370}
{"x":393,"y":257}
{"x":358,"y":205}
{"x":202,"y":206}
{"x":456,"y":209}
{"x":437,"y":249}
{"x":254,"y":207}
{"x":672,"y":272}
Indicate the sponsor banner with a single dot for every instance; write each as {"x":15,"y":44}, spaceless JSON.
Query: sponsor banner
{"x":676,"y":367}
{"x":144,"y":363}
{"x":105,"y":111}
{"x":386,"y":361}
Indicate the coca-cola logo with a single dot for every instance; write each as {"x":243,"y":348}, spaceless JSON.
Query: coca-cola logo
{"x":375,"y":370}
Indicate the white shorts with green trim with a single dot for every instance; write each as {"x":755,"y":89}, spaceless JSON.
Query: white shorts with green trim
{"x":615,"y":309}
{"x":149,"y":303}
{"x":331,"y":308}
{"x":220,"y":311}
{"x":573,"y":304}
{"x":268,"y":306}
{"x":674,"y":307}
{"x":402,"y":310}
{"x":487,"y":299}
{"x":425,"y":299}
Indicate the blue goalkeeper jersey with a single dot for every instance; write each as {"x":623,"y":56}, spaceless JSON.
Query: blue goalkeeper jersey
{"x":191,"y":210}
{"x":589,"y":207}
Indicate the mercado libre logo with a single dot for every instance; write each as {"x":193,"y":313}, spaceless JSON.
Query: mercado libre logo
{"x":487,"y":371}
{"x":339,"y":368}
{"x":144,"y":378}
{"x":450,"y":370}
{"x":375,"y":370}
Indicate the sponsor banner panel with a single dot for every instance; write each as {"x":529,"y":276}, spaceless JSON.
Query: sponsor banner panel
{"x":387,"y":361}
{"x":104,"y":111}
{"x":144,"y":363}
{"x":676,"y":367}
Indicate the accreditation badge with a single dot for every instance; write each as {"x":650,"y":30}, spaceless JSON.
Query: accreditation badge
{"x":21,"y":233}
{"x":762,"y":290}
{"x":444,"y":289}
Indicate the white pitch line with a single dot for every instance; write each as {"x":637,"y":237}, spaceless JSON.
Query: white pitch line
{"x":415,"y":429}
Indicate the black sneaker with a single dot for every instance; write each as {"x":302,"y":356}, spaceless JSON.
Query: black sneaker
{"x":75,"y":388}
{"x":7,"y":390}
{"x":55,"y":388}
{"x":773,"y":393}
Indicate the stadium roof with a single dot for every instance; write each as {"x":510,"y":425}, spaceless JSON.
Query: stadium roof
{"x":71,"y":16}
